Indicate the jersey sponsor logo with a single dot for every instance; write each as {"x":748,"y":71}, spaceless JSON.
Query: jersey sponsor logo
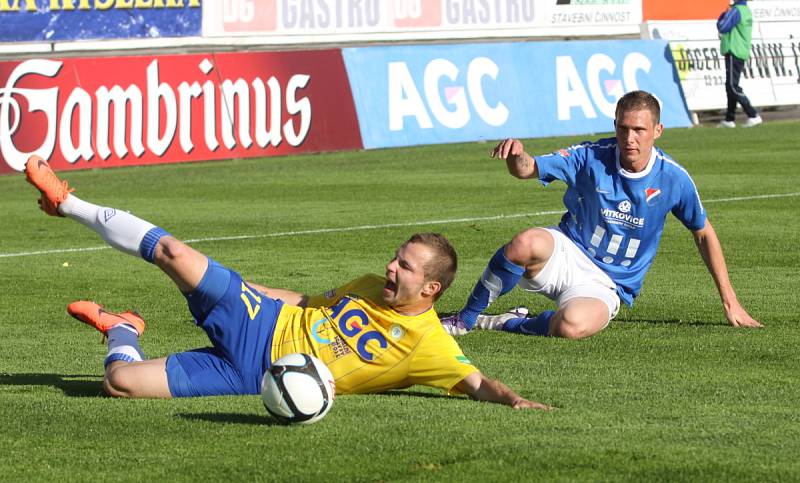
{"x":624,"y":206}
{"x":354,"y":325}
{"x":651,"y":194}
{"x":621,"y":217}
{"x":315,"y":332}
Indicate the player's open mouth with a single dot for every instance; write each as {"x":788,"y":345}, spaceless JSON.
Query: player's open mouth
{"x":390,"y":286}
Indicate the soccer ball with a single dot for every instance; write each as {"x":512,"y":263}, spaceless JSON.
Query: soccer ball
{"x":298,"y":388}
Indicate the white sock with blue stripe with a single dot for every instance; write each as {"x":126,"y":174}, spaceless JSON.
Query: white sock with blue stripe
{"x":120,"y":229}
{"x":123,"y":344}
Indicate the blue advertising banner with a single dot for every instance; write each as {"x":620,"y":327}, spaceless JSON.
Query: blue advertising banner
{"x":411,"y":95}
{"x":65,"y":20}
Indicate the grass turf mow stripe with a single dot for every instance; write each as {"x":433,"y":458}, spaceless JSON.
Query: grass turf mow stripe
{"x":319,"y":231}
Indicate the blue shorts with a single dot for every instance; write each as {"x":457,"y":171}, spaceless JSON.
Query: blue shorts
{"x":240,"y":322}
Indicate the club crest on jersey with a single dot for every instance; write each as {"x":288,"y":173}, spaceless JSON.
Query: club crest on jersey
{"x":650,"y":195}
{"x":396,"y":332}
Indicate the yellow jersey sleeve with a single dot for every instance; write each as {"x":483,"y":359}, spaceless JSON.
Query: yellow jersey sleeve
{"x":439,"y":362}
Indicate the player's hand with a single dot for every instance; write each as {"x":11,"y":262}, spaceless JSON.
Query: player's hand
{"x":738,"y":317}
{"x":519,"y":163}
{"x":522,"y":403}
{"x":510,"y":149}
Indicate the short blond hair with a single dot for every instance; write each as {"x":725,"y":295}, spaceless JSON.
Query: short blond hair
{"x":443,"y":264}
{"x":639,"y":100}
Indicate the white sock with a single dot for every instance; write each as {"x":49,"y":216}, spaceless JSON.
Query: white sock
{"x":119,"y":229}
{"x":123,"y":344}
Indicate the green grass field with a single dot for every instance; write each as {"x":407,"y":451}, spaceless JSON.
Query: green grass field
{"x":669,"y":392}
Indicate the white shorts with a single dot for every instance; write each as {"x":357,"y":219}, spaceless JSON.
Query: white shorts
{"x":571,"y":274}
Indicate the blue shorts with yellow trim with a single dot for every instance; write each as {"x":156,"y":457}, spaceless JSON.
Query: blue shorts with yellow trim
{"x":240,"y":322}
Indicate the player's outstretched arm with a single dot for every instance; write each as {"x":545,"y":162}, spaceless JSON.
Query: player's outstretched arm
{"x":520,"y":164}
{"x":481,"y":388}
{"x":711,"y":251}
{"x":289,"y":297}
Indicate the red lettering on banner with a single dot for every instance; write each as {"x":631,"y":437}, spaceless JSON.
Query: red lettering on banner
{"x":145,"y":110}
{"x":249,"y":15}
{"x":417,"y":13}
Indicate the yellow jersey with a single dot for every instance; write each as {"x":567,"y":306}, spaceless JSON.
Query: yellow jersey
{"x":367,"y":345}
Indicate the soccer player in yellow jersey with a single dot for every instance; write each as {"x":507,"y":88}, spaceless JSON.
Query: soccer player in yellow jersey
{"x":374,"y":333}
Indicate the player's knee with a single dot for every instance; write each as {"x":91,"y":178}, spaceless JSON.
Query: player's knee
{"x":570,"y":331}
{"x":115,"y":384}
{"x":169,"y":251}
{"x":530,"y":246}
{"x":574,"y":323}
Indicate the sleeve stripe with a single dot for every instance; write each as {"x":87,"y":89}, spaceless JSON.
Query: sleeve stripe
{"x":696,"y":193}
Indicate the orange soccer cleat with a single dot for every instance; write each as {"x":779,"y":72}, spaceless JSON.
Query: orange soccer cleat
{"x":93,"y":314}
{"x":54,"y":191}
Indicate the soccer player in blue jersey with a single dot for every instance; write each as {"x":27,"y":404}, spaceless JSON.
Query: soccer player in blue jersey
{"x":619,"y":192}
{"x":374,"y":333}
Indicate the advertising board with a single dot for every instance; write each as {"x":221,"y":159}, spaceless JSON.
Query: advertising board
{"x":317,"y":20}
{"x":67,"y":20}
{"x":120,"y":111}
{"x":407,"y":95}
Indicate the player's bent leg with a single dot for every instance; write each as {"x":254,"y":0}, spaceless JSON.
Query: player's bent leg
{"x":207,"y":372}
{"x":144,"y":379}
{"x":579,"y":318}
{"x":526,"y":254}
{"x":531,"y":249}
{"x":182,"y":263}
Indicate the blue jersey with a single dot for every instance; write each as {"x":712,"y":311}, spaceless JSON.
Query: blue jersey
{"x":616,"y":217}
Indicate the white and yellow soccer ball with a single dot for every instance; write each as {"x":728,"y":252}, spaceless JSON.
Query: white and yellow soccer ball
{"x":298,"y":388}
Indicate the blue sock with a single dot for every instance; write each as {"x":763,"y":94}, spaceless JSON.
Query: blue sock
{"x":498,"y":279}
{"x":147,"y":247}
{"x":537,"y":325}
{"x":123,"y":344}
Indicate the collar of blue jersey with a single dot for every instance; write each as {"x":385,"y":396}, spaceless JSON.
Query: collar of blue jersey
{"x":641,"y":174}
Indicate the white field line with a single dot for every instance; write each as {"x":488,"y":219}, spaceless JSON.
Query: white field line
{"x":369,"y":227}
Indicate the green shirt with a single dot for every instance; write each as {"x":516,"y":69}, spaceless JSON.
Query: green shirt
{"x":738,"y":40}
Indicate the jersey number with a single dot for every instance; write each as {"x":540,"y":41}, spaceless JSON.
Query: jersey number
{"x":251,"y":300}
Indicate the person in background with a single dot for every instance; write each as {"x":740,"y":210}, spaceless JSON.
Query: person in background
{"x":735,"y":27}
